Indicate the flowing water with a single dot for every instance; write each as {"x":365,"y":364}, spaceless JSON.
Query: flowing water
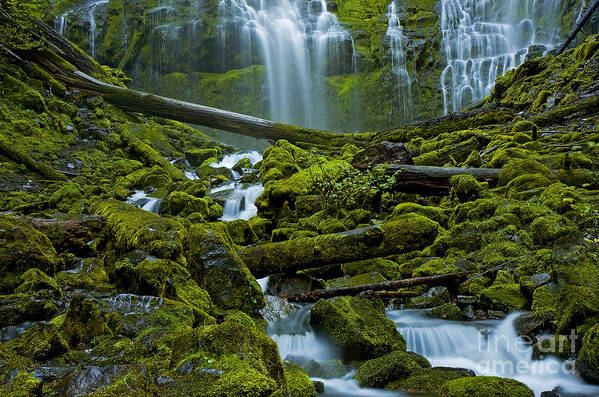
{"x":89,"y":10}
{"x":140,"y":199}
{"x":490,"y":348}
{"x":299,"y":42}
{"x":483,"y":39}
{"x":240,"y":201}
{"x":397,"y":42}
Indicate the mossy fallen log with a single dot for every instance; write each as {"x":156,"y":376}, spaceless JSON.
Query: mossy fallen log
{"x":16,"y":154}
{"x":452,"y":279}
{"x":399,"y":235}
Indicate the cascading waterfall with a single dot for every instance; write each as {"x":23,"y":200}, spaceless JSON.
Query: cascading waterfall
{"x":489,"y":348}
{"x":484,"y":39}
{"x":397,"y":40}
{"x":240,"y":203}
{"x":142,"y":200}
{"x":299,"y":42}
{"x":90,"y":8}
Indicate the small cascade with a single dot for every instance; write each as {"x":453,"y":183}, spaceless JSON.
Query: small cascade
{"x":263,"y":283}
{"x":129,"y":303}
{"x":484,"y":39}
{"x":296,"y":338}
{"x":240,"y":202}
{"x":88,"y":10}
{"x":397,"y":40}
{"x":300,"y":43}
{"x":140,"y":199}
{"x":489,"y":348}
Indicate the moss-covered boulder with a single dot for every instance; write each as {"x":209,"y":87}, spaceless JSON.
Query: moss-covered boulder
{"x":506,"y":297}
{"x":435,"y":213}
{"x":83,"y":321}
{"x":34,"y":280}
{"x":588,"y":357}
{"x":358,"y":326}
{"x":18,"y":308}
{"x":325,"y":370}
{"x":197,"y":156}
{"x":465,"y":187}
{"x":298,"y":382}
{"x":90,"y":274}
{"x":380,"y":371}
{"x":216,"y":266}
{"x":518,"y":167}
{"x":23,"y":384}
{"x":428,"y":380}
{"x":163,"y":278}
{"x":485,"y":386}
{"x":448,"y":311}
{"x":41,"y":342}
{"x":385,"y":267}
{"x":21,"y":248}
{"x":132,"y":228}
{"x":183,"y":204}
{"x":241,"y":232}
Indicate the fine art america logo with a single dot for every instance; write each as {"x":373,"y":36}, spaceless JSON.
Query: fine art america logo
{"x":500,"y":354}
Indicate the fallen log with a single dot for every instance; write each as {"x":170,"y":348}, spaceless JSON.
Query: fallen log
{"x":451,"y":279}
{"x":579,"y":24}
{"x":393,"y":237}
{"x":433,"y":180}
{"x":73,"y":235}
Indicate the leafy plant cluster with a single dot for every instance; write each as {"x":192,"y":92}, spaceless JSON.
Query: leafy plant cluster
{"x":355,"y":189}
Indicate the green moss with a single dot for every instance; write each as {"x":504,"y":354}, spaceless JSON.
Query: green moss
{"x":183,"y":204}
{"x":386,"y":268}
{"x":434,"y":213}
{"x":465,"y":187}
{"x":383,"y":370}
{"x":83,"y":321}
{"x":34,"y":280}
{"x":133,"y":228}
{"x":89,"y":274}
{"x":23,"y":385}
{"x":435,"y":267}
{"x":360,"y":279}
{"x":66,"y":197}
{"x":517,"y":167}
{"x":331,"y":225}
{"x":553,"y":229}
{"x":588,"y":358}
{"x":358,"y":326}
{"x":40,"y":342}
{"x":216,"y":266}
{"x":429,"y":380}
{"x":485,"y":386}
{"x":197,"y":156}
{"x":506,"y":297}
{"x":23,"y":247}
{"x":298,"y":382}
{"x":326,"y":370}
{"x":448,"y":311}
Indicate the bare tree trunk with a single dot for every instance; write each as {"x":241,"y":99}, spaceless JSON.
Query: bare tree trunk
{"x":431,"y":281}
{"x":578,"y":26}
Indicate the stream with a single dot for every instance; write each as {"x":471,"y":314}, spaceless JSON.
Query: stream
{"x":489,"y":348}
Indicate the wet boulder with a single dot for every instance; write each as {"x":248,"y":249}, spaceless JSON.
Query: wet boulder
{"x":448,"y":311}
{"x":197,"y":156}
{"x":358,"y":326}
{"x":89,"y":274}
{"x":485,"y":386}
{"x":504,"y":296}
{"x":382,"y":153}
{"x":40,"y":342}
{"x":183,"y":204}
{"x":34,"y":280}
{"x":18,"y":308}
{"x":380,"y":371}
{"x":216,"y":266}
{"x":298,"y":382}
{"x":83,"y":321}
{"x":325,"y":370}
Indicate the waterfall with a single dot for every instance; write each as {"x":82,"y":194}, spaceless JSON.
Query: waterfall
{"x":88,"y":11}
{"x":140,"y":199}
{"x":299,"y":42}
{"x":396,"y":39}
{"x":489,"y":348}
{"x":240,"y":203}
{"x":484,"y":39}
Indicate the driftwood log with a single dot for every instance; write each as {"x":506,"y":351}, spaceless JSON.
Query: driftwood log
{"x":451,"y":279}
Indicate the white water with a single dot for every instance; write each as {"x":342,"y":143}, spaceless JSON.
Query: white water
{"x":263,"y":283}
{"x":483,"y":39}
{"x":140,"y":199}
{"x":397,"y":40}
{"x":348,"y":387}
{"x":240,"y":204}
{"x":299,"y":42}
{"x":489,"y":348}
{"x":295,"y":337}
{"x":90,"y":9}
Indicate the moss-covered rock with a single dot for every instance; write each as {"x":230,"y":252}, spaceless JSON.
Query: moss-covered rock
{"x":216,"y":266}
{"x":504,"y":296}
{"x":360,"y":279}
{"x":325,"y":370}
{"x":89,"y":274}
{"x":428,"y":380}
{"x":22,"y":247}
{"x":34,"y":280}
{"x":485,"y":386}
{"x":465,"y":187}
{"x":385,"y":267}
{"x":183,"y":204}
{"x":588,"y":357}
{"x":18,"y":308}
{"x":380,"y":371}
{"x":518,"y":167}
{"x":241,"y":232}
{"x":298,"y":382}
{"x":197,"y":156}
{"x":448,"y":311}
{"x":131,"y":228}
{"x":358,"y":326}
{"x":83,"y":321}
{"x":24,"y":384}
{"x":435,"y":213}
{"x":41,"y":342}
